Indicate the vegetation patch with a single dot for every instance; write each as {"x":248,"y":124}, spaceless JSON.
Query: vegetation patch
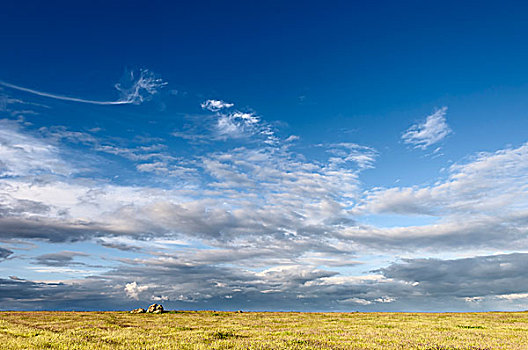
{"x":441,"y":347}
{"x":223,"y":335}
{"x":202,"y":330}
{"x":389,"y":326}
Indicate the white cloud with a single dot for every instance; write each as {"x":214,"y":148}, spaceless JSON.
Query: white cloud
{"x":227,"y":124}
{"x":481,"y":203}
{"x":433,"y":130}
{"x":23,"y":154}
{"x":356,"y":301}
{"x":269,"y":191}
{"x":513,"y":296}
{"x":216,"y":105}
{"x":344,"y":153}
{"x":234,"y":194}
{"x":385,"y":299}
{"x":133,"y":290}
{"x":258,"y":219}
{"x":237,"y":124}
{"x":139,"y":87}
{"x":490,"y":183}
{"x":135,"y":89}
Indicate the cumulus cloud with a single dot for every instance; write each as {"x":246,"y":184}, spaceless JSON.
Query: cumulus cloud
{"x":133,"y":290}
{"x":433,"y":130}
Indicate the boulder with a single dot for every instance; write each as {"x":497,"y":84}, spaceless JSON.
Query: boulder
{"x":138,"y":311}
{"x":155,"y":309}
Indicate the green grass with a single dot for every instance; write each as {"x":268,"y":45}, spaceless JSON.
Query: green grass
{"x":263,"y":330}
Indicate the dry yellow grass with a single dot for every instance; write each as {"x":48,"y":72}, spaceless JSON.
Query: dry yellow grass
{"x":263,"y":330}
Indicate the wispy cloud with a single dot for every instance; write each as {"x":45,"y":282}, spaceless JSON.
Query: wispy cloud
{"x":137,"y":88}
{"x":227,"y":123}
{"x":433,"y":130}
{"x":237,"y":124}
{"x":22,"y":153}
{"x":491,"y":183}
{"x":363,"y":156}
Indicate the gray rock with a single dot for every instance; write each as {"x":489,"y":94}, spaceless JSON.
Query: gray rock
{"x":138,"y":311}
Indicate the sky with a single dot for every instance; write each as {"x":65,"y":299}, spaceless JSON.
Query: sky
{"x":277,"y":155}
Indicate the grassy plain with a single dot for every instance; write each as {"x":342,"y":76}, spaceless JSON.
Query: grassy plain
{"x":263,"y":330}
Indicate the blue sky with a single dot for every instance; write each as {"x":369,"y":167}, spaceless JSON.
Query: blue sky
{"x":264,"y":156}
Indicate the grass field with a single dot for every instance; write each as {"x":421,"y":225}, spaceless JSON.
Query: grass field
{"x":262,"y":330}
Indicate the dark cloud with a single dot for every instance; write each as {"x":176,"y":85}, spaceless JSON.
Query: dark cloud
{"x":483,"y":282}
{"x":4,"y":253}
{"x":120,"y":246}
{"x":470,"y":277}
{"x":88,"y":294}
{"x":461,"y":233}
{"x":64,"y":258}
{"x":13,"y":207}
{"x":49,"y":230}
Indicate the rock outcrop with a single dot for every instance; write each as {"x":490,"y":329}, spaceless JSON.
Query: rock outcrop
{"x":152,"y":309}
{"x":155,"y":309}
